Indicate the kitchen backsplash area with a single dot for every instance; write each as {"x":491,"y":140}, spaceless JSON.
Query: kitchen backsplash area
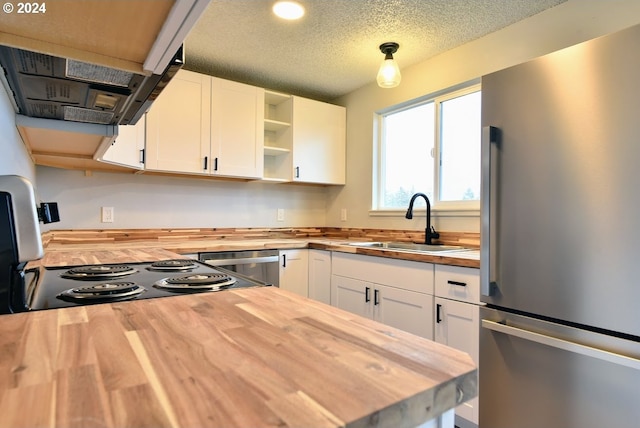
{"x":144,"y":202}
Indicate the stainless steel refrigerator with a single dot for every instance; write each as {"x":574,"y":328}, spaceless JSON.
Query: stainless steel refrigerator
{"x":560,"y":256}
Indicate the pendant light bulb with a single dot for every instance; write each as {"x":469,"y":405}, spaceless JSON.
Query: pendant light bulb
{"x":389,"y":72}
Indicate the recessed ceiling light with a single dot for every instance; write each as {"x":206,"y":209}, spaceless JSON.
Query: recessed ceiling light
{"x":288,"y":10}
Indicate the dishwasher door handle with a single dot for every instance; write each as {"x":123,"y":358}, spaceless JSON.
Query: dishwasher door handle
{"x":566,"y":345}
{"x":241,"y":261}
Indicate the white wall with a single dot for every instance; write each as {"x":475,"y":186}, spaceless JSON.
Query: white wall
{"x":14,"y":157}
{"x":562,"y":26}
{"x":142,"y":201}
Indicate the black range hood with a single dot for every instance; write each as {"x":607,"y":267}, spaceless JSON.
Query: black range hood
{"x":50,"y":87}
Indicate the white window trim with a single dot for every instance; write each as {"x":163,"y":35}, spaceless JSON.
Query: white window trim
{"x":439,"y":205}
{"x":438,"y":208}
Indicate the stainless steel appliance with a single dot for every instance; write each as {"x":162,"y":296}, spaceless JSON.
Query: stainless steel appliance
{"x":20,"y":240}
{"x":261,"y":265}
{"x":50,"y":87}
{"x":39,"y":288}
{"x":560,"y":274}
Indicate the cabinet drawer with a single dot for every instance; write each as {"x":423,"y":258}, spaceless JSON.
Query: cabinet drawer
{"x":457,"y":283}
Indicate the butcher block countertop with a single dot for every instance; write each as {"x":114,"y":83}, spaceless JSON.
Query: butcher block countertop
{"x":94,"y":250}
{"x":252,"y":357}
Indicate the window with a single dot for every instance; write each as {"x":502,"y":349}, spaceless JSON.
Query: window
{"x":431,"y":146}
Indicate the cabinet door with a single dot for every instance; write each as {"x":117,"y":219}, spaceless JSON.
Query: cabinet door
{"x":237,"y":129}
{"x":319,"y":142}
{"x":178,"y":126}
{"x":294,"y":271}
{"x":126,"y":149}
{"x":403,"y":309}
{"x":320,"y":276}
{"x":457,"y":325}
{"x":352,"y":295}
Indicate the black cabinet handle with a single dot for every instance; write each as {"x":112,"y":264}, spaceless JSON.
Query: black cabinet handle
{"x":284,"y":260}
{"x":206,"y":162}
{"x":142,"y":156}
{"x":460,"y":284}
{"x":297,"y":172}
{"x":438,"y":313}
{"x":376,"y":297}
{"x":215,"y":164}
{"x":367,"y":294}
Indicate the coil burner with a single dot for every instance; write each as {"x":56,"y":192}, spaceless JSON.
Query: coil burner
{"x":103,"y":292}
{"x":98,"y":272}
{"x":174,"y":265}
{"x":196,"y":282}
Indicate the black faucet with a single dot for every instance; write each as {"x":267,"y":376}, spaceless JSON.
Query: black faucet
{"x":429,"y":233}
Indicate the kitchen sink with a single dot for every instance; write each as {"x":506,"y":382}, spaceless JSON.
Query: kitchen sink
{"x":408,"y":246}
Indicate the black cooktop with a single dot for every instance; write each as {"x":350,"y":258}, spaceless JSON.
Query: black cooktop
{"x":58,"y":287}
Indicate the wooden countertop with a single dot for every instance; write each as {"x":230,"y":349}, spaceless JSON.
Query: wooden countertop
{"x":68,"y":254}
{"x":239,"y":358}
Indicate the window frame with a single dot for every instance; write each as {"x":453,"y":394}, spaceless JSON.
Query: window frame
{"x":438,"y":207}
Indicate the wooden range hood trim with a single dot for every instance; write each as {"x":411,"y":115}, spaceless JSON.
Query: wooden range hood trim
{"x":71,"y":139}
{"x":166,"y":24}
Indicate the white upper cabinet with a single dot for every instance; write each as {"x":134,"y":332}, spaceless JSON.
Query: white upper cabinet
{"x":237,"y":129}
{"x":319,"y":142}
{"x":204,"y":125}
{"x":128,"y":147}
{"x":179,"y":126}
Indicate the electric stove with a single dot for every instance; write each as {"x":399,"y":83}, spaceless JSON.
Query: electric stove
{"x":49,"y":288}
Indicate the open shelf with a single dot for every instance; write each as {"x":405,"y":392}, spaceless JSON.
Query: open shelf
{"x":275,"y":151}
{"x":275,"y":125}
{"x":278,"y":114}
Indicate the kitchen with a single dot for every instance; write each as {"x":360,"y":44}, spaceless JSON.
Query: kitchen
{"x":310,"y":206}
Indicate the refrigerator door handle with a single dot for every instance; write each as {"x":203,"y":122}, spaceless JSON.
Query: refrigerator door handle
{"x":488,"y":210}
{"x":566,"y":345}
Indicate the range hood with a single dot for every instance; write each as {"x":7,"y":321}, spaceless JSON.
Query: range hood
{"x":50,"y":87}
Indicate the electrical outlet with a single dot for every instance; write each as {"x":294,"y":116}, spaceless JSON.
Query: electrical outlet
{"x":280,"y":214}
{"x":107,"y":214}
{"x":343,"y":214}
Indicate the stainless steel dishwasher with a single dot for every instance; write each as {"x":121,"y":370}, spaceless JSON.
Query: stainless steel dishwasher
{"x":260,"y":265}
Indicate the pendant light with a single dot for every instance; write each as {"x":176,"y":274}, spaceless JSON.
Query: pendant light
{"x":389,"y":73}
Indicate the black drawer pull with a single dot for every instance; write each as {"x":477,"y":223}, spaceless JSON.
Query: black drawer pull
{"x":461,"y":284}
{"x":376,"y":297}
{"x":367,"y":294}
{"x":438,"y":314}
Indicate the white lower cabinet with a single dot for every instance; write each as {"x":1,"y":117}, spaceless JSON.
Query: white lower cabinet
{"x":320,"y":275}
{"x":294,"y":271}
{"x":457,"y":322}
{"x":397,"y":293}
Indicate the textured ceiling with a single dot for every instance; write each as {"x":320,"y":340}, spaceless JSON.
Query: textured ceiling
{"x":333,"y":49}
